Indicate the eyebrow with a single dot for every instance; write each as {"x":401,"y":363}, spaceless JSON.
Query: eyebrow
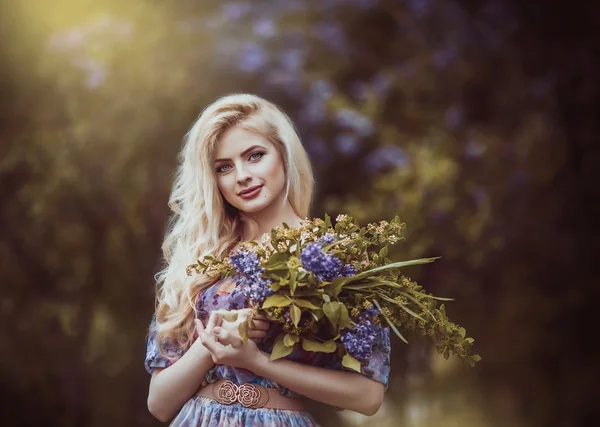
{"x":246,"y":151}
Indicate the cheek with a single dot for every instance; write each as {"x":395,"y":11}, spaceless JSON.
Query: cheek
{"x":275,"y":170}
{"x":224,"y":186}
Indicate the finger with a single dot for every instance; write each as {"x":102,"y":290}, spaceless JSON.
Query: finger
{"x":209,"y":341}
{"x":199,"y":325}
{"x":260,"y":325}
{"x":212,"y":320}
{"x":254,"y":334}
{"x":222,"y":335}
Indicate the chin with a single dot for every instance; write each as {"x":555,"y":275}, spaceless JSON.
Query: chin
{"x":254,"y":206}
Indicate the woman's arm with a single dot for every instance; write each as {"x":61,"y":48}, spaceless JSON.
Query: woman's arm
{"x":171,"y":387}
{"x":343,"y":389}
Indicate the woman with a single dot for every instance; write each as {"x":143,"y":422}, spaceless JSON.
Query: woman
{"x":243,"y":172}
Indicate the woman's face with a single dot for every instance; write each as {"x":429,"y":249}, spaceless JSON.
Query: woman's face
{"x":250,"y":172}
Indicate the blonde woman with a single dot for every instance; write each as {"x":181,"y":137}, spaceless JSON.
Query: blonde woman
{"x":243,"y":171}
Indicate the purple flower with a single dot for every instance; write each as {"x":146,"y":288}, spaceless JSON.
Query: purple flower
{"x":368,"y":314}
{"x":326,"y":239}
{"x":325,"y":267}
{"x":256,"y":288}
{"x":253,"y":285}
{"x":349,"y":270}
{"x":359,"y":342}
{"x":245,"y":262}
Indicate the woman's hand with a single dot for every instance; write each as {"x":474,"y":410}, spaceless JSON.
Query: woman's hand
{"x":226,"y":346}
{"x":255,"y":325}
{"x":259,"y":325}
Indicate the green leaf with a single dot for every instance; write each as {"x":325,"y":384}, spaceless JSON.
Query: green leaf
{"x":304,"y":303}
{"x":350,"y":362}
{"x":295,"y":313}
{"x":419,"y":303}
{"x":324,"y":347}
{"x":399,"y":264}
{"x":383,"y":252}
{"x":243,"y":331}
{"x":290,"y":340}
{"x":318,"y":314}
{"x":476,"y":358}
{"x":276,"y":258}
{"x":335,"y":287}
{"x":392,"y":326}
{"x":345,"y":321}
{"x":292,"y":284}
{"x":333,"y":312}
{"x":424,"y":295}
{"x":409,"y":311}
{"x":277,"y":300}
{"x":280,"y":350}
{"x":326,"y":298}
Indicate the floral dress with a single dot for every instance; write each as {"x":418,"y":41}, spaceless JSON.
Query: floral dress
{"x":201,"y":411}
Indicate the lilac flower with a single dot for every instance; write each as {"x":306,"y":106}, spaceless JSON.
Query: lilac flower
{"x":245,"y":262}
{"x":326,"y":239}
{"x":253,"y":285}
{"x":286,"y":316}
{"x":256,"y":288}
{"x":349,"y":270}
{"x":368,"y":314}
{"x":325,"y":267}
{"x":359,"y":342}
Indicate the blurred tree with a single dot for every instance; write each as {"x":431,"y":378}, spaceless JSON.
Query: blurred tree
{"x":472,"y":121}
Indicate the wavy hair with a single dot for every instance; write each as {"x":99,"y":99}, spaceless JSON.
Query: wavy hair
{"x":202,"y":222}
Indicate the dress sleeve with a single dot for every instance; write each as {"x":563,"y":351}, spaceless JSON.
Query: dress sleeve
{"x":154,"y":359}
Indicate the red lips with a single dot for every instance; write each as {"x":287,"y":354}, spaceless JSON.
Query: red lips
{"x":249,"y":190}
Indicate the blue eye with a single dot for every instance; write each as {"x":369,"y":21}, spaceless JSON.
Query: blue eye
{"x":257,"y":153}
{"x":220,"y":168}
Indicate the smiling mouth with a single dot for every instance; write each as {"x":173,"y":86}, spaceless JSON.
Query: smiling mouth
{"x":250,"y":192}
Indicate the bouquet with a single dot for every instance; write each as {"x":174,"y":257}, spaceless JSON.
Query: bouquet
{"x":333,"y":293}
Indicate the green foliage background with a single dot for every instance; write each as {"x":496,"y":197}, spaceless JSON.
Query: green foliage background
{"x":473,"y":121}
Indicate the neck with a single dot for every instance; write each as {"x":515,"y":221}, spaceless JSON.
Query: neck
{"x":269,"y":218}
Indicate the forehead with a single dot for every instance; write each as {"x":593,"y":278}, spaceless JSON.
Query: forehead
{"x":237,"y":139}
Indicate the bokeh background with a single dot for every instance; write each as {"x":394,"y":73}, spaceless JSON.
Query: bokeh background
{"x":474,"y":121}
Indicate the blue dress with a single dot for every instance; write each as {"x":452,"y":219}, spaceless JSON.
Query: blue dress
{"x":200,"y":411}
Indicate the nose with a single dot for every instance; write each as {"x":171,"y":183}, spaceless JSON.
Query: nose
{"x":243,"y":175}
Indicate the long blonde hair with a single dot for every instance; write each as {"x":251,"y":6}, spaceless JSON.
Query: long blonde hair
{"x":202,"y":222}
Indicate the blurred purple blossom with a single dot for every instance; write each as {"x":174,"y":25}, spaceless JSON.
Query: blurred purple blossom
{"x":386,"y":156}
{"x":252,"y":57}
{"x":313,"y":111}
{"x":346,"y":144}
{"x":381,"y":84}
{"x":453,"y":116}
{"x":292,"y":60}
{"x":352,"y":119}
{"x":474,"y":149}
{"x":322,"y":89}
{"x":479,"y":195}
{"x":234,"y":11}
{"x":359,"y":91}
{"x":443,"y":57}
{"x":418,"y":7}
{"x":332,"y":34}
{"x":265,"y":28}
